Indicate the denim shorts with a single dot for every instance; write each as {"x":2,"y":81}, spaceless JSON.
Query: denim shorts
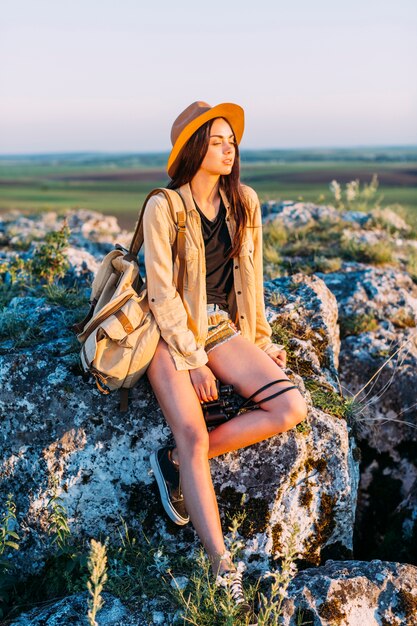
{"x":220,"y":327}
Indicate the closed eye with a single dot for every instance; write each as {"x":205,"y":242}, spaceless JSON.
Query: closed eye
{"x":218,"y":143}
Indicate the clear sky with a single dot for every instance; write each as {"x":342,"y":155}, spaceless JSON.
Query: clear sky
{"x":112,"y":75}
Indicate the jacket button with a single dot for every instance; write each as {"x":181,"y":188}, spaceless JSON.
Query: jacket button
{"x":236,"y":267}
{"x":242,"y":317}
{"x":152,"y":299}
{"x":239,"y":293}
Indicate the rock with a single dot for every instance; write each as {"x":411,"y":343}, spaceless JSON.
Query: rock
{"x":386,"y":293}
{"x":300,"y":214}
{"x":93,"y":225}
{"x":92,"y":234}
{"x":58,"y":430}
{"x":366,"y":237}
{"x":390,"y":220}
{"x":386,"y":411}
{"x":72,"y":611}
{"x":19,"y":231}
{"x":307,"y":488}
{"x":353,"y":593}
{"x":377,"y":317}
{"x":81,"y":261}
{"x":378,"y":312}
{"x":356,"y":217}
{"x":306,"y":307}
{"x":62,"y":439}
{"x":339,"y":593}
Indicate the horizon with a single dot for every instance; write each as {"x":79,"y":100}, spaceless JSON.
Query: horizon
{"x":404,"y":146}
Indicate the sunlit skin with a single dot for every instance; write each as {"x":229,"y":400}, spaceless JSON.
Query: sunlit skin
{"x":221,"y":148}
{"x":205,"y":184}
{"x":237,"y":362}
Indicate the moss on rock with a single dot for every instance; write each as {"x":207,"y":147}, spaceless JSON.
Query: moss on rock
{"x":322,"y":531}
{"x":332,"y":611}
{"x":256,"y":511}
{"x":408,"y":604}
{"x":276,"y":535}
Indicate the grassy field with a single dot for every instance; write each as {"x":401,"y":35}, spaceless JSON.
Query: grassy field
{"x":118,"y":184}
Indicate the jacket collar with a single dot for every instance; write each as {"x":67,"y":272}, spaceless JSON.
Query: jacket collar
{"x":185,"y":191}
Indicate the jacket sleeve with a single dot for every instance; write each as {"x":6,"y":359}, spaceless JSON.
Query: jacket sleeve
{"x":263,"y":329}
{"x":164,"y":300}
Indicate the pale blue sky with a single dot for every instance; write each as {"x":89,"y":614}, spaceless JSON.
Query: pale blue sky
{"x":112,"y":75}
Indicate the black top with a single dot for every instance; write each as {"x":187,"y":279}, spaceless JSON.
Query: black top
{"x":219,"y":270}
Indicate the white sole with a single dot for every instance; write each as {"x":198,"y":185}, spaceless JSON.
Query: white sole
{"x":169,"y":510}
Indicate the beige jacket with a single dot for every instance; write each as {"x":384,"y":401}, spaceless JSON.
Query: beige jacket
{"x":183,"y":323}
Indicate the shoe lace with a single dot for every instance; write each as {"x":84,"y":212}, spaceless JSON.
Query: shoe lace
{"x":233,"y":582}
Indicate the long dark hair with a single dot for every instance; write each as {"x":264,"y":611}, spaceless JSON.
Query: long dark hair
{"x":191,"y":157}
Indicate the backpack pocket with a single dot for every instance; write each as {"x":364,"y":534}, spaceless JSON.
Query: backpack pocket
{"x":122,"y":324}
{"x":108,"y":350}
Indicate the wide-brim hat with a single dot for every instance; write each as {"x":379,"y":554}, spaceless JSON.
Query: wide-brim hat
{"x":194,"y":116}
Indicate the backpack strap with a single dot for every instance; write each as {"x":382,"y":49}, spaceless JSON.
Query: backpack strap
{"x":78,"y":328}
{"x":181,"y":249}
{"x":180,"y":221}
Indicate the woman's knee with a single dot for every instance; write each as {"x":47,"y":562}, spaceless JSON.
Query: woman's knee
{"x":291,"y":412}
{"x":192,"y":438}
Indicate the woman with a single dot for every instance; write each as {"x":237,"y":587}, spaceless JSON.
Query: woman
{"x":217,"y":330}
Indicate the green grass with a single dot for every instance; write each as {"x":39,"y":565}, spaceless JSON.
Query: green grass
{"x":48,"y":185}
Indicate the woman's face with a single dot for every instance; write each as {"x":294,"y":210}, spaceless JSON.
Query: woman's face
{"x":220,"y":153}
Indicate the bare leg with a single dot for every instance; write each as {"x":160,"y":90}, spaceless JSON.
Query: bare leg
{"x":229,"y":363}
{"x":182,"y":410}
{"x":245,"y":366}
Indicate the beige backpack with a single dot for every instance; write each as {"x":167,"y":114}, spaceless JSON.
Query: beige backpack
{"x":119,"y":335}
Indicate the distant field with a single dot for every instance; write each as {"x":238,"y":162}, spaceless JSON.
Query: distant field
{"x":119,"y":185}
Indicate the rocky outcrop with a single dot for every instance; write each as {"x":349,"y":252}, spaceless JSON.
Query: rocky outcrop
{"x":305,"y":311}
{"x":353,"y":593}
{"x":340,"y":593}
{"x":72,"y":611}
{"x":377,"y":313}
{"x":64,"y":442}
{"x":384,"y":353}
{"x":62,"y":438}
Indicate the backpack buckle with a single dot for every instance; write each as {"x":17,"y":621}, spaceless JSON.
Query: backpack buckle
{"x":101,"y":382}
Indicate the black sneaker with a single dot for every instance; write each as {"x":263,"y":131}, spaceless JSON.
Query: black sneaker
{"x":169,"y":484}
{"x":233,"y":582}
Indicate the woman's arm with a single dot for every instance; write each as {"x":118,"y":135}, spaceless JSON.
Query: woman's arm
{"x":164,"y":299}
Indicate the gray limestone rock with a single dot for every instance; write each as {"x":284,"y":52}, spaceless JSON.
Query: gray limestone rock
{"x":378,"y":312}
{"x":55,"y":427}
{"x":339,"y":593}
{"x":61,"y":437}
{"x":308,"y":310}
{"x":92,"y":234}
{"x":72,"y":611}
{"x":353,"y":593}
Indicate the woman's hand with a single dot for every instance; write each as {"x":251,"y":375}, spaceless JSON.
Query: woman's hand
{"x":204,"y":383}
{"x":280,"y":358}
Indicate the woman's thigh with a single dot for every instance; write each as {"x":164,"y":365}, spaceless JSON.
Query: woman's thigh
{"x":244,"y":365}
{"x":175,"y":394}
